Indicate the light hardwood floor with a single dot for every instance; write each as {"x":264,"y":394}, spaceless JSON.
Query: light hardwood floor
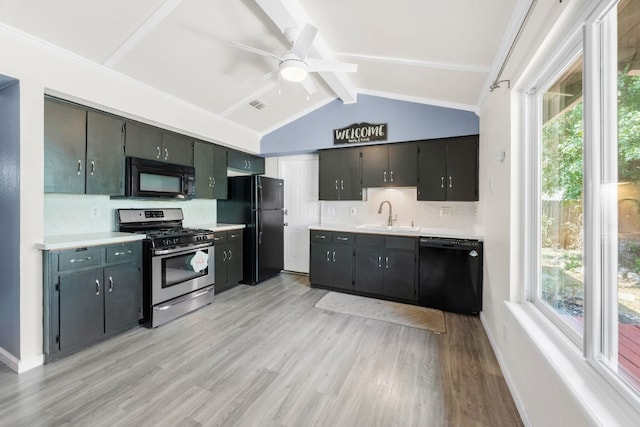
{"x":264,"y":356}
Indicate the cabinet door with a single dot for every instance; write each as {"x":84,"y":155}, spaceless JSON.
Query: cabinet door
{"x":462,"y":169}
{"x":177,"y":149}
{"x":432,"y":175}
{"x":342,"y":266}
{"x":203,"y":163}
{"x":122,"y":290}
{"x":234,"y":259}
{"x":375,"y":166}
{"x":403,"y":165}
{"x":329,"y":174}
{"x":81,"y":308}
{"x":220,"y":187}
{"x":369,"y":274}
{"x":65,"y":131}
{"x":143,"y":141}
{"x":220,"y":273}
{"x":350,"y":176}
{"x":105,"y":154}
{"x":399,"y":274}
{"x":320,"y":264}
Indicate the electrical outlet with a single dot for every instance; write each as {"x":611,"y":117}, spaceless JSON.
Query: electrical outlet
{"x":353,"y":211}
{"x":445,"y":211}
{"x":95,"y":212}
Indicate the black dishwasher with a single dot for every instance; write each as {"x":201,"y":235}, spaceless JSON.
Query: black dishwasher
{"x":451,"y":275}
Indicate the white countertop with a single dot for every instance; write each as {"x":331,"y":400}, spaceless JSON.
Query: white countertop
{"x":218,"y":226}
{"x":422,"y":232}
{"x":68,"y":241}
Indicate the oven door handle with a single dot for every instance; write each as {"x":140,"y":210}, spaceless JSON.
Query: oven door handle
{"x":182,"y":249}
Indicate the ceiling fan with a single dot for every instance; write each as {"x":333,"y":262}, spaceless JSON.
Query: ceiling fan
{"x":295,"y":65}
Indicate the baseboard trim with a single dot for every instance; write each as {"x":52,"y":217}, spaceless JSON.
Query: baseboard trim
{"x":17,"y":365}
{"x":507,"y":376}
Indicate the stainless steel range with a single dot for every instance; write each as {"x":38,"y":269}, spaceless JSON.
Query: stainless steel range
{"x":178,"y":263}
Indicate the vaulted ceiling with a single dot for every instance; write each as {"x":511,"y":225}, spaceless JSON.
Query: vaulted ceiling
{"x":428,"y":51}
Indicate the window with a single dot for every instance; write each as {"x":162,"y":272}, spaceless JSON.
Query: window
{"x":560,"y":287}
{"x":585,"y":238}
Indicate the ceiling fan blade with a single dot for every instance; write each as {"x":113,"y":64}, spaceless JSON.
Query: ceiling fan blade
{"x":321,"y":65}
{"x":255,"y":50}
{"x":303,"y":43}
{"x":308,"y":85}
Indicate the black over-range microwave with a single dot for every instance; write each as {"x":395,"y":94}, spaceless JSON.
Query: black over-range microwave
{"x":148,"y":178}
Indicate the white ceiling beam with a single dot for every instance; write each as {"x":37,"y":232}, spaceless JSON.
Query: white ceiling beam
{"x":415,"y":63}
{"x":141,"y":32}
{"x":288,"y":14}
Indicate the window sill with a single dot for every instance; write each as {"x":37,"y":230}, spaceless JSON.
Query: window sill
{"x":599,"y":398}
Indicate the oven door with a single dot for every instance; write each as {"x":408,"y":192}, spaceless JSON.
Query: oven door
{"x":178,"y":271}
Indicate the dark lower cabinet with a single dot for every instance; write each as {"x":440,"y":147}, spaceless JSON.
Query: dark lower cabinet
{"x":228,"y":258}
{"x":331,"y":260}
{"x":90,"y":294}
{"x":385,"y":266}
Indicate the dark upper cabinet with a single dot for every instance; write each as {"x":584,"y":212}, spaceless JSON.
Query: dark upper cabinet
{"x":148,"y":142}
{"x":84,"y":150}
{"x":339,"y":174}
{"x":389,"y":165}
{"x":65,"y":131}
{"x":210,"y":162}
{"x":105,"y":154}
{"x":448,"y":169}
{"x":245,"y":162}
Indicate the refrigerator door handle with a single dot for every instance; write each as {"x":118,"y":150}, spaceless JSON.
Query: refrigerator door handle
{"x":259,"y":218}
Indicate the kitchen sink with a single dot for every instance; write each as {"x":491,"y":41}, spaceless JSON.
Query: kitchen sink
{"x":391,"y":228}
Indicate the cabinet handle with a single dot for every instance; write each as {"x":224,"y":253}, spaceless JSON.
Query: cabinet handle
{"x":80,"y":259}
{"x":97,"y":287}
{"x":391,"y":176}
{"x":234,"y":235}
{"x":214,"y":181}
{"x":210,"y":183}
{"x":328,"y":252}
{"x":249,"y":162}
{"x":224,"y":255}
{"x":343,"y":239}
{"x":386,"y":262}
{"x":336,"y":184}
{"x":379,"y":262}
{"x":384,"y":176}
{"x":321,"y":236}
{"x":158,"y":155}
{"x":166,"y":154}
{"x":93,"y":167}
{"x":123,"y":253}
{"x":334,"y":256}
{"x":342,"y":184}
{"x":230,"y":254}
{"x":79,"y":166}
{"x":450,"y":182}
{"x":110,"y":284}
{"x":442,"y":182}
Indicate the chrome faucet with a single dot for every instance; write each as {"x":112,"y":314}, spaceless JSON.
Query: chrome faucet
{"x":390,"y":221}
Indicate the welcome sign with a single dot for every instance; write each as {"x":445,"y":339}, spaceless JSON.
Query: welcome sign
{"x":360,"y":132}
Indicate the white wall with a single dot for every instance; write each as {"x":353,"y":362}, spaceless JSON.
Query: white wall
{"x":41,"y":69}
{"x":462,"y":215}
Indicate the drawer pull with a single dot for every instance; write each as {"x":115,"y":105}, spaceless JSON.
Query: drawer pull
{"x":81,"y":259}
{"x":123,"y":253}
{"x":322,"y":237}
{"x":343,"y":238}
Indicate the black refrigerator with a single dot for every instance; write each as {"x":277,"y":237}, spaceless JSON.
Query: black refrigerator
{"x":257,"y":201}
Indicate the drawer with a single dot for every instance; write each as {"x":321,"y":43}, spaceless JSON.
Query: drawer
{"x":345,"y":238}
{"x":219,"y":238}
{"x":123,"y":252}
{"x":79,"y":258}
{"x":321,"y":236}
{"x":408,"y":243}
{"x":234,"y":235}
{"x":373,"y":240}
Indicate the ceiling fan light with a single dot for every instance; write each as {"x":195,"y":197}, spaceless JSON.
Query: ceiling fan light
{"x":293,"y":70}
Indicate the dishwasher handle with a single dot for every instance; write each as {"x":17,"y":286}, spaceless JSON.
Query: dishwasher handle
{"x":460,"y":244}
